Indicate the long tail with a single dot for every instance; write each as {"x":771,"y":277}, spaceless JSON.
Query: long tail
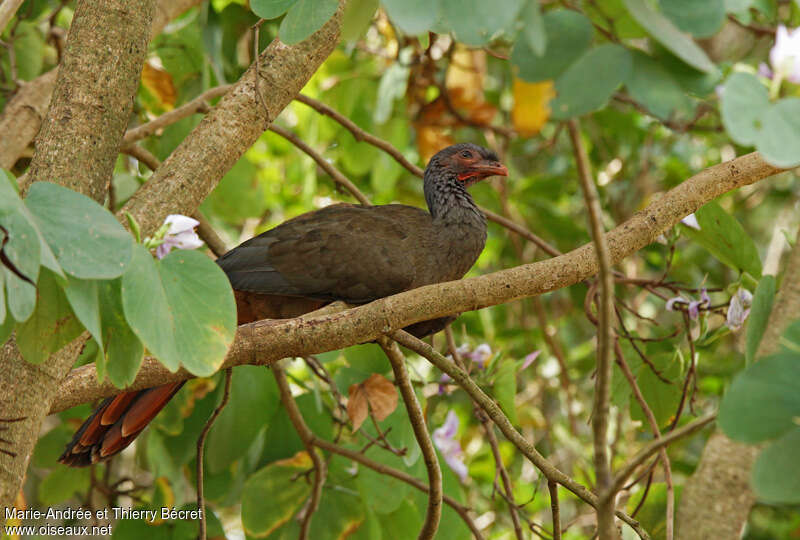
{"x":115,"y":424}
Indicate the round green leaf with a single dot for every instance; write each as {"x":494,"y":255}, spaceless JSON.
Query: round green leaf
{"x":23,"y":250}
{"x":663,"y":31}
{"x":533,"y":30}
{"x":759,"y":315}
{"x":357,"y":17}
{"x":253,"y":401}
{"x":85,"y":303}
{"x":122,"y":351}
{"x":779,"y":140}
{"x":701,"y":19}
{"x":654,"y":87}
{"x":413,"y":16}
{"x":87,"y":240}
{"x":776,"y":476}
{"x":269,"y":9}
{"x":475,"y":21}
{"x":304,"y":18}
{"x":568,"y":36}
{"x":744,"y":103}
{"x":763,"y":400}
{"x":181,"y":307}
{"x":273,"y":495}
{"x":589,"y":82}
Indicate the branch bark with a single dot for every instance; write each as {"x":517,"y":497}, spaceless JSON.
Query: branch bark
{"x":321,"y":333}
{"x":77,"y":148}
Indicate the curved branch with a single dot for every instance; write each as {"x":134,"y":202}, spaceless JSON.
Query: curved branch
{"x":417,"y":419}
{"x":321,"y":333}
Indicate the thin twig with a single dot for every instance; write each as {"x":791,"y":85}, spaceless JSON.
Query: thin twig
{"x":359,"y":134}
{"x":602,"y":395}
{"x":460,"y":509}
{"x":656,"y":445}
{"x":415,"y":415}
{"x":307,"y":436}
{"x":554,"y":509}
{"x":201,"y":440}
{"x":197,"y":105}
{"x":488,"y":427}
{"x":332,"y":171}
{"x":491,"y":408}
{"x":209,"y":235}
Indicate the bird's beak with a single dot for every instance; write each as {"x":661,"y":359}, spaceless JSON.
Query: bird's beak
{"x":490,"y":168}
{"x":482,"y":170}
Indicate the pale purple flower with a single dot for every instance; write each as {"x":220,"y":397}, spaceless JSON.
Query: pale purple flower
{"x":694,"y":306}
{"x":480,"y":355}
{"x":764,"y":71}
{"x":785,"y":54}
{"x":180,"y":235}
{"x":529,"y":359}
{"x":445,"y":440}
{"x":443,"y":382}
{"x":739,"y":309}
{"x":691,"y":222}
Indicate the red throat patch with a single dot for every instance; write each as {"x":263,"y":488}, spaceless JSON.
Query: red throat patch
{"x":467,"y":176}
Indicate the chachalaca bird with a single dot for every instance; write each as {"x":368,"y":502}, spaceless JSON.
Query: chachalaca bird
{"x":343,"y":252}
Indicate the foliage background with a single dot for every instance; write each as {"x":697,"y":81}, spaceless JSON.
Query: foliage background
{"x":655,"y":120}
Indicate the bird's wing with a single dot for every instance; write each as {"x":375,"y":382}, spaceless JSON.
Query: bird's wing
{"x":341,"y":252}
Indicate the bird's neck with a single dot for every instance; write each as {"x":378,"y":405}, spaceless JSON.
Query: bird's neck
{"x":450,"y":204}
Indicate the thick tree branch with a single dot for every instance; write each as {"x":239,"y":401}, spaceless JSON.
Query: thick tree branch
{"x":320,"y":333}
{"x":77,"y":148}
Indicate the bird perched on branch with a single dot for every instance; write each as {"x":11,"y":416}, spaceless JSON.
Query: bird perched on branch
{"x":343,"y":252}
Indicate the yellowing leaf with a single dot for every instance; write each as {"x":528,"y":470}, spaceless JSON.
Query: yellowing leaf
{"x":531,"y":106}
{"x":158,"y":82}
{"x":378,"y":392}
{"x":431,"y":139}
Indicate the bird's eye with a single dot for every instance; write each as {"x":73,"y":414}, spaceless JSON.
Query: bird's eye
{"x":466,"y":154}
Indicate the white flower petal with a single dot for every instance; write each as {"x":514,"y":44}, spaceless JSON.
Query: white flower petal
{"x":179,"y":223}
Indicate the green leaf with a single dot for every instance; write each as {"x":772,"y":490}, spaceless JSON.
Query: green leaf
{"x":239,"y":195}
{"x":373,"y":485}
{"x":776,"y":477}
{"x":654,"y":87}
{"x":85,"y":303}
{"x":304,"y":18}
{"x":722,"y":235}
{"x":87,"y":240}
{"x":588,"y":84}
{"x":763,"y":400}
{"x":413,"y":16}
{"x":533,"y":30}
{"x":181,"y":307}
{"x":568,"y":36}
{"x":356,"y":18}
{"x":253,"y":402}
{"x":663,"y":31}
{"x":52,"y":324}
{"x":29,"y":50}
{"x":701,"y":19}
{"x":23,"y":249}
{"x":270,"y":9}
{"x":474,"y":22}
{"x":6,"y":327}
{"x":759,"y":315}
{"x":274,"y":494}
{"x":122,"y":352}
{"x":62,"y":483}
{"x":779,"y":140}
{"x":661,"y":397}
{"x":505,"y":388}
{"x":744,"y":103}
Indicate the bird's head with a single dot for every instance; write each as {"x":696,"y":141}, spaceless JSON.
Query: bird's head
{"x":467,"y":163}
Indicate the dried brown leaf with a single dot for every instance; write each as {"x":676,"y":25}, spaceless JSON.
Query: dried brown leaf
{"x":381,"y":394}
{"x":357,"y":405}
